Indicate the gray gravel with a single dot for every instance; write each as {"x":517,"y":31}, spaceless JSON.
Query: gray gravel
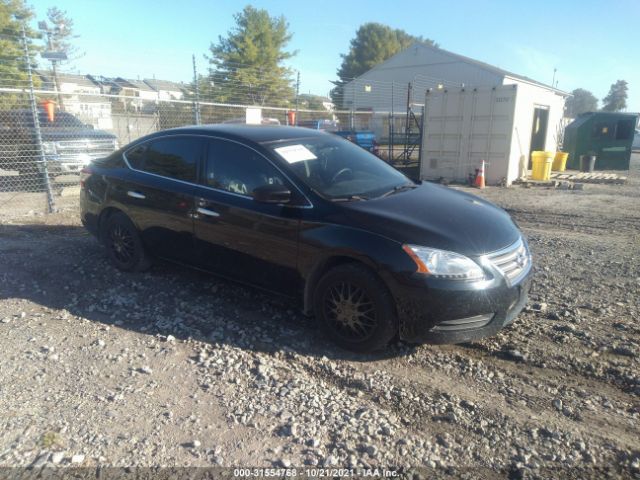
{"x":176,"y":368}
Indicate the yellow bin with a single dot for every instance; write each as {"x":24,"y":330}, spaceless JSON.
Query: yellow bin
{"x":542,"y":163}
{"x":560,"y":162}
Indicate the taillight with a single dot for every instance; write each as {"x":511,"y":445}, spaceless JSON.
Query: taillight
{"x":85,"y":173}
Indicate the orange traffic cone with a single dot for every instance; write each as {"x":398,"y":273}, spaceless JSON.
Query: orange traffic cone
{"x":480,"y":177}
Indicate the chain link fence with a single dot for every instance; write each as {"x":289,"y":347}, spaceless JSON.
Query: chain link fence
{"x":49,"y":132}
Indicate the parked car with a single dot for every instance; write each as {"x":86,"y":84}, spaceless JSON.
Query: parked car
{"x":307,"y":214}
{"x":325,"y":124}
{"x":364,"y":139}
{"x":68,"y":144}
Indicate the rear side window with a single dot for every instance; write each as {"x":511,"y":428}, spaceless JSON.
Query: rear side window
{"x":168,"y":157}
{"x":238,"y":169}
{"x":135,"y":156}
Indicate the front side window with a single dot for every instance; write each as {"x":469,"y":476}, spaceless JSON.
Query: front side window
{"x":238,"y":169}
{"x":172,"y":157}
{"x":337,"y":168}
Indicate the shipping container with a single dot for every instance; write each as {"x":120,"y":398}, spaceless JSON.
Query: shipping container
{"x":500,"y":125}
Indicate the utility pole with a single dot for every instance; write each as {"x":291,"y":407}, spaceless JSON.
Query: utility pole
{"x":197,"y":87}
{"x":297,"y":93}
{"x":53,"y":56}
{"x":42,"y":159}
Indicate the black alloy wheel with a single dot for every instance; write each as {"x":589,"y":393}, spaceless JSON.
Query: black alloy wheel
{"x":350,"y":311}
{"x":354,"y":307}
{"x":124,"y":245}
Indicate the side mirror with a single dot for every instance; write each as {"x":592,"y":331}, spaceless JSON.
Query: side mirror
{"x":272,"y":194}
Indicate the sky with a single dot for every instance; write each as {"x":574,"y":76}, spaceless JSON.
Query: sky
{"x":590,"y":43}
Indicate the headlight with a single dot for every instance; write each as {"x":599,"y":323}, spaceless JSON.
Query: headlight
{"x":49,"y":148}
{"x":443,"y":264}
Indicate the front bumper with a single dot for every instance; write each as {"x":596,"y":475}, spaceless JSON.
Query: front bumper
{"x":432,"y":311}
{"x":56,"y":165}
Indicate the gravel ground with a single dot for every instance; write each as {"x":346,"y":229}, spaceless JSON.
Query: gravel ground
{"x":177,"y":368}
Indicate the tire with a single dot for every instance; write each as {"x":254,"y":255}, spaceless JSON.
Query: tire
{"x":124,"y":245}
{"x":355,"y":308}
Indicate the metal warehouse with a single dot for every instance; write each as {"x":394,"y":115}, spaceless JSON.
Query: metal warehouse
{"x":473,"y":111}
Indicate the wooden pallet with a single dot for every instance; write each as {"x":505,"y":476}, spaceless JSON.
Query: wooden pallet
{"x":585,"y":177}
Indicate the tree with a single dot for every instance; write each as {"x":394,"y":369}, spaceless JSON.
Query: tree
{"x":616,"y":99}
{"x":582,"y":101}
{"x":246,"y":66}
{"x":373,"y":44}
{"x":312,"y":102}
{"x":60,"y":33}
{"x":13,"y":68}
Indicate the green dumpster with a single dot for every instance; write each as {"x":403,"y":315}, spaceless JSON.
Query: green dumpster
{"x":608,"y":135}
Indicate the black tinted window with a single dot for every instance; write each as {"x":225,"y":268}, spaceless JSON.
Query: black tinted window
{"x":169,"y":157}
{"x":238,"y":169}
{"x":135,"y":156}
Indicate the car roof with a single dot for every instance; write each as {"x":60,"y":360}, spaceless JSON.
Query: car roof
{"x":254,"y":133}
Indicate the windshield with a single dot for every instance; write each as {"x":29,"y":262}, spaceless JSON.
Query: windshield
{"x":339,"y":169}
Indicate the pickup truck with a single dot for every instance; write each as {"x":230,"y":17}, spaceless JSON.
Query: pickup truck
{"x":364,"y":139}
{"x":67,"y":143}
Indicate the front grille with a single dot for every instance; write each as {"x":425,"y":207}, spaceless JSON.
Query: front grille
{"x":513,"y":262}
{"x":78,"y":150}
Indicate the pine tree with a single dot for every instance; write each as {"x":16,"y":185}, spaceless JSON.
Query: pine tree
{"x":246,"y":66}
{"x":616,"y":99}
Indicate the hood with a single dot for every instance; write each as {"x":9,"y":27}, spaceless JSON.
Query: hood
{"x":58,"y":134}
{"x":435,"y":216}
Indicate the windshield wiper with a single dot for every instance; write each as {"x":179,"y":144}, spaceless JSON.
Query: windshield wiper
{"x":399,"y":188}
{"x":349,"y":198}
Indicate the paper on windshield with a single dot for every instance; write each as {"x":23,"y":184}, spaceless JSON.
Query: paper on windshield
{"x":295,"y":153}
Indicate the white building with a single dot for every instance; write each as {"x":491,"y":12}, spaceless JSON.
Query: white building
{"x":530,"y":120}
{"x":80,"y":97}
{"x":165,"y":89}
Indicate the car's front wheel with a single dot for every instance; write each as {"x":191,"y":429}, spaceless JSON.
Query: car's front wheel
{"x":355,"y":308}
{"x":124,"y":244}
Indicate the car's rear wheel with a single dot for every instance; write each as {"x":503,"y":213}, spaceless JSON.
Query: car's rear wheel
{"x":124,"y":244}
{"x":355,"y":308}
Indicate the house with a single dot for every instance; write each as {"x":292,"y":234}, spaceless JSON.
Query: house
{"x":315,"y":102}
{"x":532,"y":112}
{"x":81,"y":96}
{"x":136,"y":88}
{"x":166,"y":89}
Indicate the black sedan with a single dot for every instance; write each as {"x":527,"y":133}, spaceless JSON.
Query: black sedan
{"x":372,"y":254}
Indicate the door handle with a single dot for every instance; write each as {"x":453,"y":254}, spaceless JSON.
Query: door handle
{"x":207,"y":212}
{"x":133,"y":194}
